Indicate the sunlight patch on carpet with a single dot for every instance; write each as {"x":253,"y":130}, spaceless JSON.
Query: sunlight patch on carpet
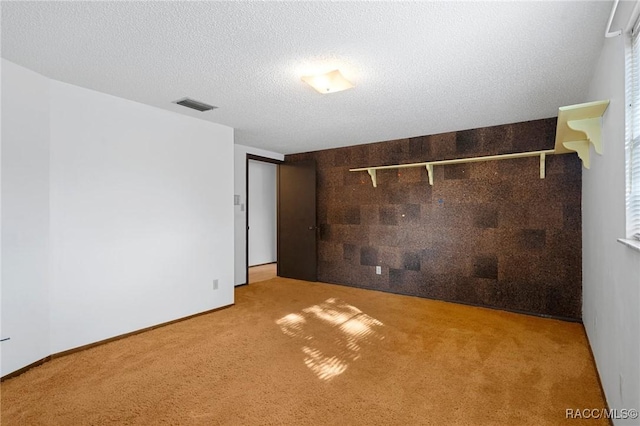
{"x":334,"y":333}
{"x":326,"y":368}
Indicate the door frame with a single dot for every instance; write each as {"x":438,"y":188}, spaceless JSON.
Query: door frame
{"x":246,"y":197}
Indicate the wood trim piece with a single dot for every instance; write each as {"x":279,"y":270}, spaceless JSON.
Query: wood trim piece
{"x":25,"y":368}
{"x":262,"y":264}
{"x":263,"y":159}
{"x":133,"y":333}
{"x":102,"y":342}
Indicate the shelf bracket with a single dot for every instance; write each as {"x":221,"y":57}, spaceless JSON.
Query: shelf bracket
{"x":374,"y":180}
{"x":430,"y":173}
{"x":543,"y":156}
{"x":582,"y":149}
{"x":592,"y":130}
{"x":578,"y":127}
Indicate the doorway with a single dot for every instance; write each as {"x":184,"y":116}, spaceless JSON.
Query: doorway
{"x":293,"y":224}
{"x":261,"y":218}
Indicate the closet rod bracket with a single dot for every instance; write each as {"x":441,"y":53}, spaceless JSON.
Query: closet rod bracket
{"x":374,"y":180}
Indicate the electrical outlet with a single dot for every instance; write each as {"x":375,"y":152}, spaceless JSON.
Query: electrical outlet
{"x":378,"y":270}
{"x":215,"y":284}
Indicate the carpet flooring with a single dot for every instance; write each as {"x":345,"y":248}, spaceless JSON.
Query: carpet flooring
{"x":296,"y":353}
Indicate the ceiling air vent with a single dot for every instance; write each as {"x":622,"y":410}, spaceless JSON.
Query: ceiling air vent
{"x":193,"y":104}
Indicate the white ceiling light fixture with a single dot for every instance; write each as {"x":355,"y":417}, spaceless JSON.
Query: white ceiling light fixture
{"x":330,"y":82}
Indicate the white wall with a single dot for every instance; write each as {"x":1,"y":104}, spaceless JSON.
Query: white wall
{"x":611,"y":271}
{"x":240,"y":188}
{"x":262,"y":212}
{"x":25,"y":217}
{"x":141,"y":216}
{"x":130,"y":205}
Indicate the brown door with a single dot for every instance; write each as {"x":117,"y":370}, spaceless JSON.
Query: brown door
{"x":297,"y":221}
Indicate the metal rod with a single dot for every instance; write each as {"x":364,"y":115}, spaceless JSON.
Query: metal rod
{"x":607,"y":32}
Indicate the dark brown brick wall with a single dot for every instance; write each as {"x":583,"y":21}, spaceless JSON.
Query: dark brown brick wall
{"x":490,"y":233}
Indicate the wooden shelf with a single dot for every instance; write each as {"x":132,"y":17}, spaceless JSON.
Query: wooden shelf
{"x":578,"y":126}
{"x":429,"y":164}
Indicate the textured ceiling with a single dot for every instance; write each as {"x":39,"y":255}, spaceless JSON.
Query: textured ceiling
{"x":419,"y":68}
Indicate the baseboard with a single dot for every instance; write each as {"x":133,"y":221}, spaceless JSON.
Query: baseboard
{"x":25,"y":368}
{"x":102,"y":342}
{"x":263,"y":264}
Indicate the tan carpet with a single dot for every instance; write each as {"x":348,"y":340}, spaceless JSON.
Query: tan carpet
{"x":291,"y":352}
